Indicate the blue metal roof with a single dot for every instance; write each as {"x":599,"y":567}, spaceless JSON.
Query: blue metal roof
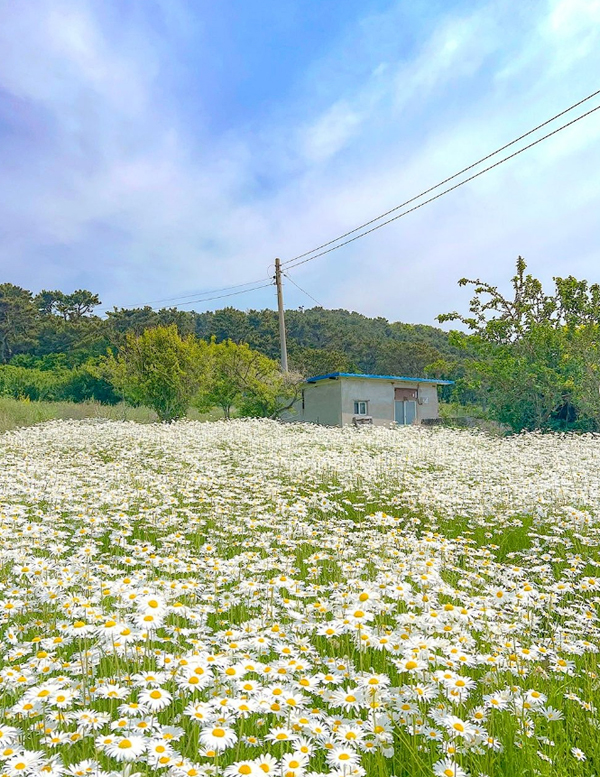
{"x":333,"y":375}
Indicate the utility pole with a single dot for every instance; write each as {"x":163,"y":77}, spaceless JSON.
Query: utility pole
{"x":284,"y":360}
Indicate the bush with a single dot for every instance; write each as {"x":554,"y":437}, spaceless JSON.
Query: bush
{"x":23,"y":383}
{"x":82,"y":384}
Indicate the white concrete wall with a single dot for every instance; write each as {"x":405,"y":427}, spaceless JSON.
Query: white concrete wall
{"x":331,"y":402}
{"x":380,"y":395}
{"x":322,"y":403}
{"x":430,"y":407}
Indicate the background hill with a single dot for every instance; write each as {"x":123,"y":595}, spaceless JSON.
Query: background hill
{"x":51,"y":343}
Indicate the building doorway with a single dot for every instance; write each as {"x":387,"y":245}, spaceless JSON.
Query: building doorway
{"x":405,"y":411}
{"x":405,"y":405}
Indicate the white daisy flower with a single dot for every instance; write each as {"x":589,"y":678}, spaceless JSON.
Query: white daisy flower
{"x":155,"y":699}
{"x":218,"y":737}
{"x":126,"y":748}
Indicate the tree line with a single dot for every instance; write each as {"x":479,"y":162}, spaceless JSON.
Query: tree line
{"x":53,"y":346}
{"x":530,"y":360}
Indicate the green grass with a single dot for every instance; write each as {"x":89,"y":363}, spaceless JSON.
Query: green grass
{"x":15,"y":413}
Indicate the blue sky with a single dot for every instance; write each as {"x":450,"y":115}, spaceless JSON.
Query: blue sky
{"x":156,"y":148}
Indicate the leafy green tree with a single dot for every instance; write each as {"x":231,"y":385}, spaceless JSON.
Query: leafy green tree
{"x":59,"y":331}
{"x":269,"y":392}
{"x":161,"y":369}
{"x":224,"y":387}
{"x":71,"y":307}
{"x":23,"y":383}
{"x":535,"y":355}
{"x":122,"y":321}
{"x":321,"y":340}
{"x":248,"y":380}
{"x":18,"y":321}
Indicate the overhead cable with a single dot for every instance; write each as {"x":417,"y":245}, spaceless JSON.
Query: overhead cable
{"x":222,"y":296}
{"x":451,"y":178}
{"x":289,"y":277}
{"x":195,"y":294}
{"x":294,"y":263}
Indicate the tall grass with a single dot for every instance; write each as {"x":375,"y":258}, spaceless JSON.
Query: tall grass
{"x":15,"y":413}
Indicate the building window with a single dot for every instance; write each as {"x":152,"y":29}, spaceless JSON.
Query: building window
{"x":361,"y":407}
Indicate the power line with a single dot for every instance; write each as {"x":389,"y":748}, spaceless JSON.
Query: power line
{"x":450,"y":178}
{"x":222,"y":296}
{"x":293,"y":263}
{"x":302,"y":290}
{"x":195,"y":294}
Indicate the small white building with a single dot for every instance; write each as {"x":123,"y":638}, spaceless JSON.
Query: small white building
{"x":342,"y":398}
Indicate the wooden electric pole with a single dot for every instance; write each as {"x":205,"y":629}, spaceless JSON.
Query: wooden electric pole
{"x":284,"y":359}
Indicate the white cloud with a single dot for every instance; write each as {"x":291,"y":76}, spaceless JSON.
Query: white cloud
{"x":116,"y":181}
{"x":331,"y":132}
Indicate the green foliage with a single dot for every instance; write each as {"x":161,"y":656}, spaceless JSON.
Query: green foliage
{"x":160,"y":369}
{"x":71,"y":307}
{"x":60,"y":327}
{"x":535,"y":358}
{"x":89,"y":382}
{"x":60,"y":384}
{"x":122,"y":321}
{"x":270,"y":393}
{"x":22,"y":383}
{"x":321,"y":341}
{"x":223,"y":388}
{"x":320,"y":361}
{"x":18,"y":321}
{"x":397,"y":357}
{"x":248,"y":380}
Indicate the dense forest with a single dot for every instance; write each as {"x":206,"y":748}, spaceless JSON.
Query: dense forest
{"x":52,"y":342}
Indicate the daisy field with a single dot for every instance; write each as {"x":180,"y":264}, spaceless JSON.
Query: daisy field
{"x":255,"y":598}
